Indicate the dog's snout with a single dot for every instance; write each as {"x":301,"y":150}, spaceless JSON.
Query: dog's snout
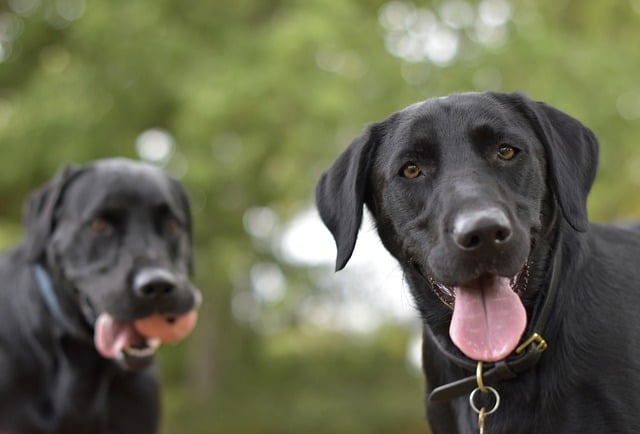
{"x":481,"y":229}
{"x":154,"y":283}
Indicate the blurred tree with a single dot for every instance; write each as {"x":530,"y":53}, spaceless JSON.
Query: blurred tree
{"x":249,"y":101}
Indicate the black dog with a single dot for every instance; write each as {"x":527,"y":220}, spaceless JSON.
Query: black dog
{"x":481,"y":197}
{"x":109,"y":242}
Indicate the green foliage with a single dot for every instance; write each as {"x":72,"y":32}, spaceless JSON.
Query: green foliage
{"x":260,"y":97}
{"x":306,"y":381}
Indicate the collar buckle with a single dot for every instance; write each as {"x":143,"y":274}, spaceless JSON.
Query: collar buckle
{"x":536,"y":339}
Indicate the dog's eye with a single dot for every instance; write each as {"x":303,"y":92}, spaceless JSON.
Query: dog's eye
{"x":411,"y":171}
{"x":506,"y":152}
{"x":100,"y":226}
{"x":172,"y":227}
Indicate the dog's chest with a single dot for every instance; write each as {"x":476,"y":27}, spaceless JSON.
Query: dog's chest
{"x":74,"y":396}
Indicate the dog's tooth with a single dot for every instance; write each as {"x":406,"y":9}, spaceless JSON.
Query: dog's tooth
{"x":154,"y":343}
{"x":140,"y":352}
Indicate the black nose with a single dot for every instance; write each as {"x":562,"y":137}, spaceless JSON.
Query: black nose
{"x":483,"y":229}
{"x":154,"y":283}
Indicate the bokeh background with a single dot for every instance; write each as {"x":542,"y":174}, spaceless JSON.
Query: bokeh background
{"x":247,"y":101}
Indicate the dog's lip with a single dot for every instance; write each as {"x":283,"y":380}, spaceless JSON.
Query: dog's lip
{"x":446,"y":294}
{"x":134,"y":357}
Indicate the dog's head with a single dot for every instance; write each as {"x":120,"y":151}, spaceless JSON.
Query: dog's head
{"x":461,"y":189}
{"x":117,"y":234}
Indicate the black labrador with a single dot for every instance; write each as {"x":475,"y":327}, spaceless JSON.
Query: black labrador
{"x":106,"y":242}
{"x":481,"y":197}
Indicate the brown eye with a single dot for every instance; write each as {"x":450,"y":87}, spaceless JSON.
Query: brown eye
{"x":100,"y":226}
{"x":411,"y":171}
{"x":506,"y":152}
{"x":172,"y":227}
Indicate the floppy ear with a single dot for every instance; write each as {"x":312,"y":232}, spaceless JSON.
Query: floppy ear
{"x":572,"y":155}
{"x":40,"y":211}
{"x":341,"y":192}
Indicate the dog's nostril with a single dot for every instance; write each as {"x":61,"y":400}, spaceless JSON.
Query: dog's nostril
{"x":501,"y":236}
{"x":469,"y":242}
{"x":157,"y":288}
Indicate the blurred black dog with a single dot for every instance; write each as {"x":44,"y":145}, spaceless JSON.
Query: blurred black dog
{"x":481,"y":197}
{"x":106,"y":244}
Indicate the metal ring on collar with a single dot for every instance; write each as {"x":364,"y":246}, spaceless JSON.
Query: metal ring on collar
{"x":495,"y":406}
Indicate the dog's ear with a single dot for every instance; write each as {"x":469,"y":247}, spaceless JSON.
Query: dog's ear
{"x":572,"y":154}
{"x":40,"y":212}
{"x":341,"y":192}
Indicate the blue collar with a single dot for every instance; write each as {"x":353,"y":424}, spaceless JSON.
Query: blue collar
{"x":48,"y":294}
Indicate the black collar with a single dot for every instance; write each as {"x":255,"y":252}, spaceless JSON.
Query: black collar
{"x":527,"y":354}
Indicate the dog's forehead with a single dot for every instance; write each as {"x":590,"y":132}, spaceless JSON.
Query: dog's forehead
{"x":119,"y":182}
{"x":125,"y":167}
{"x":471,"y":104}
{"x":450,"y":116}
{"x":129,"y":176}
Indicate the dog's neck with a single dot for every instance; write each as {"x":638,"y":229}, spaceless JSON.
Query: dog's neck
{"x":55,"y":297}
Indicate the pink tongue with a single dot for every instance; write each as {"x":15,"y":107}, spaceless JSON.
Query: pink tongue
{"x":488,"y":319}
{"x":111,"y":336}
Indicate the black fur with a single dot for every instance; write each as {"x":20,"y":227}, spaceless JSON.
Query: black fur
{"x":588,"y":380}
{"x":53,"y":380}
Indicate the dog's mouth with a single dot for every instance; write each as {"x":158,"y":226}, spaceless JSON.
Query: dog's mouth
{"x":447,"y":294}
{"x":489,"y":317}
{"x":134,"y":343}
